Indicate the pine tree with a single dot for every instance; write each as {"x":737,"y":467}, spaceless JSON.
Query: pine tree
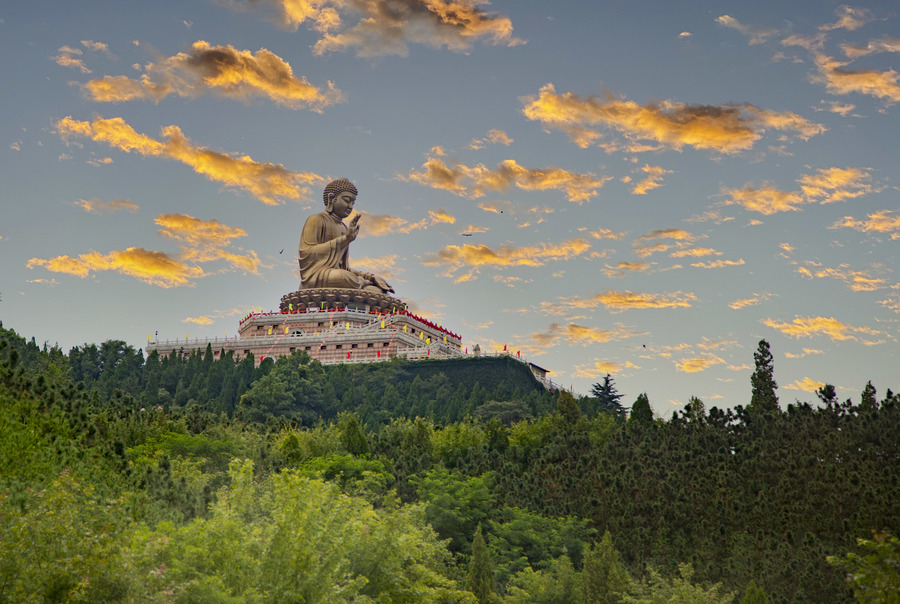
{"x":607,"y":395}
{"x":754,"y":594}
{"x":481,"y":570}
{"x":604,"y":579}
{"x":762,"y":381}
{"x":867,"y":398}
{"x":641,"y":413}
{"x":567,"y":407}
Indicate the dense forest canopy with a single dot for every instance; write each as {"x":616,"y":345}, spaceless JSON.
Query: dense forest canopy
{"x":124,"y":478}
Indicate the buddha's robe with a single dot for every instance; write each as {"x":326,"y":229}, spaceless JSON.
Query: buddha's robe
{"x":323,"y":254}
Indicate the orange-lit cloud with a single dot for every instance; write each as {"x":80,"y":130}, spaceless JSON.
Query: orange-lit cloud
{"x":620,"y":269}
{"x":725,"y":129}
{"x":377,"y":225}
{"x":620,"y":301}
{"x":752,"y":301}
{"x":97,"y":206}
{"x":206,"y":240}
{"x":654,"y":179}
{"x":804,"y":327}
{"x":826,"y":185}
{"x":839,"y":79}
{"x":69,"y":57}
{"x":494,"y":137}
{"x":474,"y":229}
{"x":849,"y":18}
{"x":644,"y":251}
{"x":155,"y":268}
{"x":266,"y":181}
{"x":384,"y":266}
{"x":806,"y":352}
{"x":757,"y":35}
{"x":201,"y":320}
{"x":200,"y":241}
{"x":600,"y":368}
{"x":856,"y":280}
{"x":474,"y":181}
{"x":884,"y":44}
{"x":456,"y":256}
{"x":695,"y":252}
{"x":670,"y":233}
{"x":891,"y":303}
{"x":607,"y":234}
{"x":718,"y":263}
{"x":697,"y":364}
{"x":880,"y":222}
{"x":387,"y":27}
{"x":223,"y":70}
{"x":807,"y":384}
{"x":574,"y":333}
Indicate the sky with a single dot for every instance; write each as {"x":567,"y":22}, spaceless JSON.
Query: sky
{"x":645,"y":189}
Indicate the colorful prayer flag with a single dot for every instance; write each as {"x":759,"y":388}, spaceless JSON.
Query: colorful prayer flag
{"x":382,"y":324}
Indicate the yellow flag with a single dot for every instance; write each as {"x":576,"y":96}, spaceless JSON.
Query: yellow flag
{"x":428,"y":341}
{"x":348,"y":325}
{"x":421,"y":335}
{"x":270,"y":332}
{"x":285,"y":330}
{"x":382,"y":327}
{"x":148,"y":337}
{"x":291,"y":306}
{"x":445,"y":339}
{"x":404,"y":329}
{"x":185,"y":336}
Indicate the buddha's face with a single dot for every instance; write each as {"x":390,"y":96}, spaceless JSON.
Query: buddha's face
{"x":342,"y":204}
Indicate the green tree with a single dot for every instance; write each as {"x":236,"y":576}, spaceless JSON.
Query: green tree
{"x":874,"y":574}
{"x":567,"y":408}
{"x":607,"y":395}
{"x":754,"y":594}
{"x":480,"y":579}
{"x":641,"y":413}
{"x":604,"y":579}
{"x":762,"y":382}
{"x":656,"y":589}
{"x":867,"y":398}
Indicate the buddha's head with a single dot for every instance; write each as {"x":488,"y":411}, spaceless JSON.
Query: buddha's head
{"x":339,"y":196}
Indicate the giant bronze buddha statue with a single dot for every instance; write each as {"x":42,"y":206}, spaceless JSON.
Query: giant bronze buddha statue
{"x":325,"y":273}
{"x":325,"y":242}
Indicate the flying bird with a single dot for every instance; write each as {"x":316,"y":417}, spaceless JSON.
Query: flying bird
{"x":282,"y":251}
{"x":467,"y":234}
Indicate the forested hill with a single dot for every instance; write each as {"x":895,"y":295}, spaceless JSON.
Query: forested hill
{"x":124,"y":479}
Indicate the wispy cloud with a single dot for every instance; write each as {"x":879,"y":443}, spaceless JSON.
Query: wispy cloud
{"x":719,"y":263}
{"x":377,"y":225}
{"x":884,"y":44}
{"x":805,"y":353}
{"x":699,"y":363}
{"x":807,"y":384}
{"x":455,"y":257}
{"x":754,"y":300}
{"x":200,"y":241}
{"x":856,"y":280}
{"x":616,"y":301}
{"x":826,"y":185}
{"x":387,"y":27}
{"x":600,"y":368}
{"x":849,"y":18}
{"x":652,"y":181}
{"x":838,"y":79}
{"x":804,"y":327}
{"x":620,"y":269}
{"x":223,"y":70}
{"x":573,"y":333}
{"x":212,"y":317}
{"x":155,"y":268}
{"x":728,"y":129}
{"x":71,"y":57}
{"x":386,"y":266}
{"x":474,"y":181}
{"x":98,"y":206}
{"x":494,"y":137}
{"x":266,"y":181}
{"x":883,"y":221}
{"x":757,"y":35}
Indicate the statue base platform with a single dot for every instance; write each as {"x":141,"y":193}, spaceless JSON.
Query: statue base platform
{"x":339,"y":298}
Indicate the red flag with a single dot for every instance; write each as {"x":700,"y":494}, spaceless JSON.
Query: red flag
{"x":504,"y":348}
{"x":348,"y":355}
{"x":378,"y":353}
